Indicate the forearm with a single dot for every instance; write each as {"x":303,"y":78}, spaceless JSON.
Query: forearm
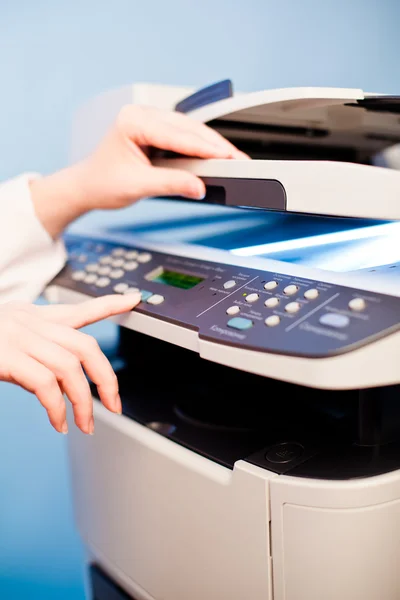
{"x":58,"y":199}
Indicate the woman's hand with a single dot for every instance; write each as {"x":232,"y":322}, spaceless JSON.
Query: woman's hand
{"x":126,"y":171}
{"x":41,"y":351}
{"x":119,"y":170}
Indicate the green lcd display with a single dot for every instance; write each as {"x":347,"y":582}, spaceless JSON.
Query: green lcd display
{"x":176,"y":279}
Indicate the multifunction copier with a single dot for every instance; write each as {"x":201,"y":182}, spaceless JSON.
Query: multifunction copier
{"x":258,"y":453}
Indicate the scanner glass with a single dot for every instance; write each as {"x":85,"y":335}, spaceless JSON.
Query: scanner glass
{"x":330,"y":243}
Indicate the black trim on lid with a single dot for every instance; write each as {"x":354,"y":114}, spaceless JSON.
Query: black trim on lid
{"x":261,"y":194}
{"x":249,"y":127}
{"x":265,"y":194}
{"x":383,"y":104}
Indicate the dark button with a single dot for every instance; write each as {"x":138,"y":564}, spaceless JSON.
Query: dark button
{"x":285,"y":452}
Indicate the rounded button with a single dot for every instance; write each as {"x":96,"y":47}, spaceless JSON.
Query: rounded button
{"x":270,"y":285}
{"x":233,"y":310}
{"x":144,"y":257}
{"x":117,"y":273}
{"x":252,"y":298}
{"x":271,"y":302}
{"x":240,"y":323}
{"x":102,"y":282}
{"x":105,"y":260}
{"x":82,"y":258}
{"x":229,"y":284}
{"x":357,"y":304}
{"x":335,"y":320}
{"x":104,"y":270}
{"x":90,"y":278}
{"x":131,"y":265}
{"x":311,"y":294}
{"x":285,"y":452}
{"x":118,"y":252}
{"x":78,"y":275}
{"x":131,"y":255}
{"x":121,"y":288}
{"x":272,"y":320}
{"x":155,"y":299}
{"x":131,"y":290}
{"x":292,"y":307}
{"x":118,"y":262}
{"x":91,"y":267}
{"x":99,"y":248}
{"x":145,"y":294}
{"x":290,"y":290}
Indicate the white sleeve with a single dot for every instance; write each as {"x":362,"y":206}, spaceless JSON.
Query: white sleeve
{"x":29,"y":257}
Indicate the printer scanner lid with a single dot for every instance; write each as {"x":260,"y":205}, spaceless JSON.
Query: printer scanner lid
{"x":325,"y":147}
{"x":308,"y":123}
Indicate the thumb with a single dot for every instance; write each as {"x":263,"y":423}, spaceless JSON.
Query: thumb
{"x":159,"y":181}
{"x":90,"y":311}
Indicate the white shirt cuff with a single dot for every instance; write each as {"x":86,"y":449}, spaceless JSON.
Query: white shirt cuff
{"x":29,"y":257}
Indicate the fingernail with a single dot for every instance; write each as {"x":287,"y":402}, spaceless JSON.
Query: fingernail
{"x":238,"y":155}
{"x":199,"y":192}
{"x":133,"y":296}
{"x":91,"y":426}
{"x":64,"y":428}
{"x":118,"y":405}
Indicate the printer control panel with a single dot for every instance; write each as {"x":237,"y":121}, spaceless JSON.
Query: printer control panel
{"x":244,"y":307}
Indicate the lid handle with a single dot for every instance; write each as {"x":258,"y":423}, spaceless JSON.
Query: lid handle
{"x":207,"y":95}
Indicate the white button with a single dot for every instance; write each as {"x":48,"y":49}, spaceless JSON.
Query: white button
{"x":99,"y":248}
{"x":233,"y":310}
{"x":290,"y":290}
{"x":118,"y":252}
{"x":311,"y":294}
{"x":105,"y":260}
{"x":118,"y":262}
{"x":252,"y":298}
{"x":272,"y":320}
{"x":229,"y":284}
{"x":102,"y":281}
{"x":155,"y":299}
{"x":121,"y":288}
{"x":91,"y":267}
{"x":131,"y":255}
{"x":335,"y":320}
{"x":357,"y":304}
{"x":271,"y":302}
{"x":82,"y":258}
{"x":90,"y":278}
{"x":117,"y":273}
{"x":78,"y":275}
{"x":132,"y":290}
{"x":292,"y":307}
{"x":104,"y":270}
{"x":144,"y":257}
{"x":271,"y":285}
{"x":131,"y":265}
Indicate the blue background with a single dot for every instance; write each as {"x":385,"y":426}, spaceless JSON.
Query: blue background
{"x":55,"y":55}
